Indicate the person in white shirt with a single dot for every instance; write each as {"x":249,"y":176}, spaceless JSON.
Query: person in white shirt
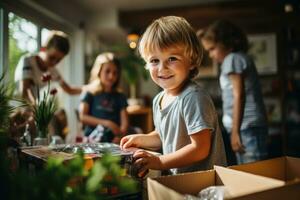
{"x":31,"y":67}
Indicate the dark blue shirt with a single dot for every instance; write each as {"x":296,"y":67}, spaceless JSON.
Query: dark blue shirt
{"x":104,"y":106}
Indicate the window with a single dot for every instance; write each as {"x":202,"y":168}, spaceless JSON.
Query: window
{"x":23,"y":38}
{"x":3,"y":40}
{"x":19,"y":36}
{"x":45,"y":34}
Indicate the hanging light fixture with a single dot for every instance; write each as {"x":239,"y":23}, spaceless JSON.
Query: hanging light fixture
{"x":132,"y":39}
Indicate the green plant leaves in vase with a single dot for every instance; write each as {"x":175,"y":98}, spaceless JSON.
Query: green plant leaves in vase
{"x":45,"y":108}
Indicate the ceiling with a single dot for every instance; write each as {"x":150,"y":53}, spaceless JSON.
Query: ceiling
{"x":127,"y":5}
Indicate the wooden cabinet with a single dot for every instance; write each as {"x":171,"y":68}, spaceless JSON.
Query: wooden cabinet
{"x":141,"y":117}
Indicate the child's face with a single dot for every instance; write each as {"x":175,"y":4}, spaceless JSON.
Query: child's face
{"x":108,"y":75}
{"x":216,"y":51}
{"x":169,"y":68}
{"x":53,"y":56}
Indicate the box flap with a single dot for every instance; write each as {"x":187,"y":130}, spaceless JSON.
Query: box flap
{"x":241,"y":183}
{"x":189,"y":183}
{"x":288,"y":192}
{"x":272,"y":168}
{"x":159,"y":191}
{"x":292,"y":168}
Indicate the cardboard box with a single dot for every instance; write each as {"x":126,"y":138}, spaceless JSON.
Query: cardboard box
{"x":284,"y":168}
{"x":279,"y":183}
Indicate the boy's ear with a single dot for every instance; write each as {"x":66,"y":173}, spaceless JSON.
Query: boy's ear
{"x":43,"y":49}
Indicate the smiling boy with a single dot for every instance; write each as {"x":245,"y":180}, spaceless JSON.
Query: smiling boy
{"x":185,"y":119}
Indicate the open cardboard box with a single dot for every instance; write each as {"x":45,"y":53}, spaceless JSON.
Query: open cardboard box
{"x":283,"y":168}
{"x":240,"y":185}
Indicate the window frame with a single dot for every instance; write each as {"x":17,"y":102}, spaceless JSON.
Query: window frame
{"x":3,"y":41}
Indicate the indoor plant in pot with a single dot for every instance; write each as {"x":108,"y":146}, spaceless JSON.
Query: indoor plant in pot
{"x":133,"y":68}
{"x":43,"y":111}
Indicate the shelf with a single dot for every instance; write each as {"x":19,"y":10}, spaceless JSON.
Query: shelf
{"x":141,"y":117}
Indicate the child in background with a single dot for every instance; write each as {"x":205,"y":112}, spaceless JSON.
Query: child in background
{"x":102,"y":103}
{"x":185,"y":119}
{"x":59,"y":124}
{"x":244,"y":115}
{"x":31,"y":67}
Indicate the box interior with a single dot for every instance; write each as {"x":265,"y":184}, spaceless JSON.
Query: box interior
{"x":283,"y":168}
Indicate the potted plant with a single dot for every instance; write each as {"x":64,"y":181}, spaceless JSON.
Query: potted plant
{"x":43,"y":111}
{"x":6,"y":108}
{"x":133,"y":68}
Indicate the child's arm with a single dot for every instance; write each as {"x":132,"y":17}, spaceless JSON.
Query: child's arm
{"x":197,"y":150}
{"x":94,"y":121}
{"x":25,"y":88}
{"x":123,"y":126}
{"x":69,"y":89}
{"x":124,"y":121}
{"x":238,"y":109}
{"x":148,"y":141}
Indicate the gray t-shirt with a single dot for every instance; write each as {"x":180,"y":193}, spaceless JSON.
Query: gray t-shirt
{"x":191,"y":111}
{"x":254,"y":110}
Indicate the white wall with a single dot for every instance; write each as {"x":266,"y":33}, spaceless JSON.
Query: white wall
{"x":72,"y":70}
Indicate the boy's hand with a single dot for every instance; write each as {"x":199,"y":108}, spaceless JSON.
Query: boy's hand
{"x":145,"y":160}
{"x":130,"y":141}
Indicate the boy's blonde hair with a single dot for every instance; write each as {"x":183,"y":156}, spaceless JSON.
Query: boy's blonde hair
{"x":168,"y":32}
{"x":95,"y":85}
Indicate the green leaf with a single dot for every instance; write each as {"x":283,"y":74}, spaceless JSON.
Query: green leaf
{"x":54,"y":162}
{"x":128,"y":185}
{"x":132,"y":65}
{"x":97,"y":174}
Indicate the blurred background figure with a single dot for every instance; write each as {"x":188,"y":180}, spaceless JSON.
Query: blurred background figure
{"x":31,"y":67}
{"x":59,"y":126}
{"x":18,"y":121}
{"x":244,"y":115}
{"x":103,"y":107}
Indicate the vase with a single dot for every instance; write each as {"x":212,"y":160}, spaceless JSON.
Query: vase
{"x":41,"y":139}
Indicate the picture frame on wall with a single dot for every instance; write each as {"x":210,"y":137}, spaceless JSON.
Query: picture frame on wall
{"x":273,"y":109}
{"x":262,"y":48}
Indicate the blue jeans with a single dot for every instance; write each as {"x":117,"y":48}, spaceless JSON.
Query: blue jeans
{"x":255,"y":141}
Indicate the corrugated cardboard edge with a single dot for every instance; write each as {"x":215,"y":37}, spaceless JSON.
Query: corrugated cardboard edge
{"x":241,"y":183}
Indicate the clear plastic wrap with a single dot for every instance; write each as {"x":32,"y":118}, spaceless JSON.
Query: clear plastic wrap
{"x":209,"y":193}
